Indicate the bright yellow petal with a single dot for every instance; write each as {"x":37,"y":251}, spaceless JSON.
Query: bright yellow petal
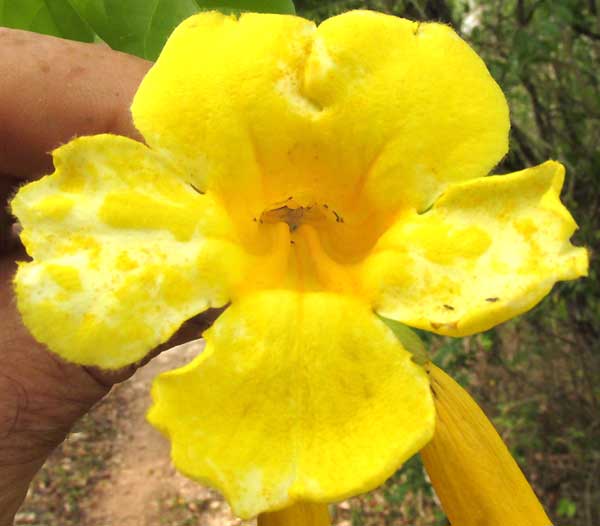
{"x":213,"y":97}
{"x":367,"y":113}
{"x":472,"y":471}
{"x":409,"y":106}
{"x":124,"y":250}
{"x":489,"y":249}
{"x":297,"y":397}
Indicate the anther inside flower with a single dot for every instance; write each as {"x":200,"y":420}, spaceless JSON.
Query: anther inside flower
{"x":311,"y":178}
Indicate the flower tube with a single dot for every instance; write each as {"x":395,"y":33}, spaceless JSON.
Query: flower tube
{"x":472,"y":471}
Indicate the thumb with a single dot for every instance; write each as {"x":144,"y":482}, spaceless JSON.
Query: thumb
{"x":53,"y":89}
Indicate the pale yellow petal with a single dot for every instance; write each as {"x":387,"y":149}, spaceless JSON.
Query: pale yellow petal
{"x":297,"y":397}
{"x":124,"y":251}
{"x":488,"y":250}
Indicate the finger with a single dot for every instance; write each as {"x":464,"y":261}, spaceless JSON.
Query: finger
{"x":57,"y":391}
{"x":6,"y":219}
{"x":53,"y":89}
{"x":191,"y":330}
{"x":50,"y":91}
{"x":32,"y":366}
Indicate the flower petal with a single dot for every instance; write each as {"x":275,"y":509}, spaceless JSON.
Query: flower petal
{"x":213,"y":93}
{"x":124,"y":251}
{"x":472,"y":471}
{"x":297,"y":397}
{"x":410,"y":107}
{"x":368,"y":109}
{"x":488,"y":250}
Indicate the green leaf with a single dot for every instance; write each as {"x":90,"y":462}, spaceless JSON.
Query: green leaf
{"x":566,"y":508}
{"x":409,"y":340}
{"x":51,"y":17}
{"x":284,"y":7}
{"x":139,"y":27}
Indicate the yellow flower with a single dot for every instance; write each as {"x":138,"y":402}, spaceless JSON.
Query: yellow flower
{"x":310,"y":178}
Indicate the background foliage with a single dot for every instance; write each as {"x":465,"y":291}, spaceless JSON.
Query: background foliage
{"x":538,"y":376}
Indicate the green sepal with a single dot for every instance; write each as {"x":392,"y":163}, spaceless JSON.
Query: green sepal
{"x":283,"y":7}
{"x":409,"y":340}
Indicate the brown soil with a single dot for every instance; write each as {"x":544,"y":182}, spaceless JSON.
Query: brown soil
{"x":143,"y":488}
{"x":115,"y":468}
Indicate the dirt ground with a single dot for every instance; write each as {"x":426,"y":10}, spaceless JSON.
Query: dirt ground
{"x":134,"y":483}
{"x":144,"y":487}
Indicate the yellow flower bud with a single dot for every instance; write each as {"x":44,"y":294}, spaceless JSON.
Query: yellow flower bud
{"x":473,"y":473}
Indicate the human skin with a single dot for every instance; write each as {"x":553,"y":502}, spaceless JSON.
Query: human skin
{"x":51,"y":90}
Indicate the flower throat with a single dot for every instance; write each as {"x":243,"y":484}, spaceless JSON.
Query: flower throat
{"x":294,"y":214}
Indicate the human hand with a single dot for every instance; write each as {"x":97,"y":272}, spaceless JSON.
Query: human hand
{"x":50,"y":91}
